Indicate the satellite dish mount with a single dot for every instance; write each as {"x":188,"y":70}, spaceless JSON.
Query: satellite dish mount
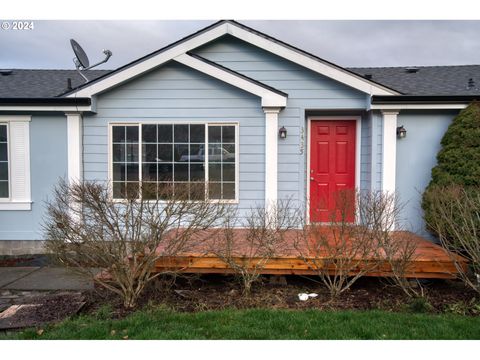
{"x":81,"y":59}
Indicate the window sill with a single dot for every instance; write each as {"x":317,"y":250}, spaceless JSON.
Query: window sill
{"x":16,"y":205}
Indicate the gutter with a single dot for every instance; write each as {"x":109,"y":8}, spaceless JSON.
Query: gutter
{"x":81,"y":101}
{"x":423,"y":99}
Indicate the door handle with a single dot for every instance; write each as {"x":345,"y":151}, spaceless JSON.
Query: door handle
{"x":311,"y":178}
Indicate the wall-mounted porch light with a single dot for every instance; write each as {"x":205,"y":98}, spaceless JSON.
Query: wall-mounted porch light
{"x":282,"y":133}
{"x":401,"y":132}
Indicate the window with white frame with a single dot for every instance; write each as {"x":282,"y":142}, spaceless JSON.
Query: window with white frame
{"x":169,"y":159}
{"x":4,"y":188}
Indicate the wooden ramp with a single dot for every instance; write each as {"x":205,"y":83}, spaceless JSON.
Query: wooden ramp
{"x":430,"y":261}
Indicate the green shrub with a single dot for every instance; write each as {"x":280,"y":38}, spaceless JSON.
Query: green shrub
{"x":458,"y":162}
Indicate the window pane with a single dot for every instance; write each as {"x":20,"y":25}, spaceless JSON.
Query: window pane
{"x":118,"y":134}
{"x":182,"y":191}
{"x":214,"y":134}
{"x":197,"y":172}
{"x":196,"y":153}
{"x":3,"y":171}
{"x":132,"y":172}
{"x":215,"y":153}
{"x":165,"y":190}
{"x":181,"y":133}
{"x":149,"y":133}
{"x":197,"y":133}
{"x":181,"y":172}
{"x":118,"y":190}
{"x":3,"y":152}
{"x":197,"y":191}
{"x":3,"y":189}
{"x":118,"y":152}
{"x":181,"y":153}
{"x":229,"y":191}
{"x":149,"y":153}
{"x":132,"y":189}
{"x":149,"y":172}
{"x":215,"y":172}
{"x":165,"y":172}
{"x":119,"y":172}
{"x":228,"y":172}
{"x":228,"y":153}
{"x":228,"y":134}
{"x":3,"y":133}
{"x":132,"y":153}
{"x":132,"y":134}
{"x":164,"y":133}
{"x":165,"y":153}
{"x":214,"y":191}
{"x":149,"y":190}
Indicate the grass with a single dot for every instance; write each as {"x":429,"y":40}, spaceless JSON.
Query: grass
{"x":260,"y":324}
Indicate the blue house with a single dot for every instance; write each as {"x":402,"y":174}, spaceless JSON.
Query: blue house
{"x":275,"y":121}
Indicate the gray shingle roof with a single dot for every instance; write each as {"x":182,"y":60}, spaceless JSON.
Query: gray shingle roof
{"x":41,"y":83}
{"x":428,"y":80}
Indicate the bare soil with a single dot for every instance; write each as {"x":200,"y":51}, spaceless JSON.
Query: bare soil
{"x":202,"y":293}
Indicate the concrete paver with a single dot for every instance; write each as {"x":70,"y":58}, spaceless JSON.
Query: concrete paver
{"x":11,"y":274}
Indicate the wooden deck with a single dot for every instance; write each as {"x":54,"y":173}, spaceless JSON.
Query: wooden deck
{"x":430,"y":261}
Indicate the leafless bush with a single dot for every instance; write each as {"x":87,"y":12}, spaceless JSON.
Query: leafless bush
{"x":88,"y":230}
{"x":247,"y":246}
{"x":457,"y":223}
{"x":358,"y":240}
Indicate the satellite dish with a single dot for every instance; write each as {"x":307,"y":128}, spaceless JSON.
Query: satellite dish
{"x":81,"y":59}
{"x":80,"y":54}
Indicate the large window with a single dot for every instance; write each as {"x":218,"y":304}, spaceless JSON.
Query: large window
{"x":169,"y":159}
{"x":4,"y":193}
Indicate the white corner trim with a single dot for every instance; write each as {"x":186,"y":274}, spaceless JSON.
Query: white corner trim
{"x":271,"y":157}
{"x":15,"y":205}
{"x":269,"y":98}
{"x":389,"y":150}
{"x":315,"y":65}
{"x":74,"y":146}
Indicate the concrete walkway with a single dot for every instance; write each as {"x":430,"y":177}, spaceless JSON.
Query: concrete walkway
{"x":42,"y":279}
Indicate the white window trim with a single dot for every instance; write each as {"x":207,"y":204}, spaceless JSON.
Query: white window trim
{"x":18,"y":138}
{"x":154,"y":122}
{"x":358,"y":148}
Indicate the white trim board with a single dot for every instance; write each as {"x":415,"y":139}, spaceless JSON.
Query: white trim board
{"x":358,"y":148}
{"x":236,"y":30}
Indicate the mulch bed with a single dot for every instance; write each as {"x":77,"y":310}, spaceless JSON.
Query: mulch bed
{"x":222,"y":292}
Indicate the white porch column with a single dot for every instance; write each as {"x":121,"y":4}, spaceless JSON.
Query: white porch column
{"x":389,"y":150}
{"x":75,"y":147}
{"x":271,"y":156}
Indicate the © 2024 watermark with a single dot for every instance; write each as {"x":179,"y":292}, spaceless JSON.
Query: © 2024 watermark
{"x":17,"y":25}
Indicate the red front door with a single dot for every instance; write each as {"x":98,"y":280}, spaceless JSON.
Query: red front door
{"x":332,"y":170}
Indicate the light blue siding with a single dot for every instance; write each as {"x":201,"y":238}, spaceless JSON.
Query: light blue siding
{"x":416,"y":156}
{"x":48,"y":162}
{"x":306,"y":91}
{"x":177,"y":93}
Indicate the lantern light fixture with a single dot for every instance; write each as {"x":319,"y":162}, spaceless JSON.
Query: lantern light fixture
{"x":401,"y":132}
{"x":282,"y":133}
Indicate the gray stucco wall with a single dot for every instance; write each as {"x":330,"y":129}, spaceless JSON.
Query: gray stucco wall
{"x":416,"y":156}
{"x":48,"y":163}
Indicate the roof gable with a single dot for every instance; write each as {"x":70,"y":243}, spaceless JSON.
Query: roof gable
{"x":180,"y":48}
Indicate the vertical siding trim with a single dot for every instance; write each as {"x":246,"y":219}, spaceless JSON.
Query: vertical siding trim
{"x":271,"y":157}
{"x":389,"y":150}
{"x":74,"y":147}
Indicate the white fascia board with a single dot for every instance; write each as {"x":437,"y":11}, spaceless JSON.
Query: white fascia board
{"x":45,"y":108}
{"x":269,"y":98}
{"x":151,"y":63}
{"x":417,"y":106}
{"x":312,"y":64}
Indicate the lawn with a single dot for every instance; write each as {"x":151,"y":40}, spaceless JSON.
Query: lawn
{"x":260,"y":324}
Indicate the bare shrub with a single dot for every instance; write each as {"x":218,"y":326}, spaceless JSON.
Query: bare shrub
{"x":88,"y":230}
{"x":246,"y":246}
{"x":457,"y":223}
{"x":358,"y":240}
{"x":380,"y":211}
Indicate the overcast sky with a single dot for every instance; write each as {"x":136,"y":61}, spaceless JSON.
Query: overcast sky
{"x":346,"y":43}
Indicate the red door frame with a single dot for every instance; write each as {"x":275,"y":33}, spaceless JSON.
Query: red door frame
{"x":338,"y":168}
